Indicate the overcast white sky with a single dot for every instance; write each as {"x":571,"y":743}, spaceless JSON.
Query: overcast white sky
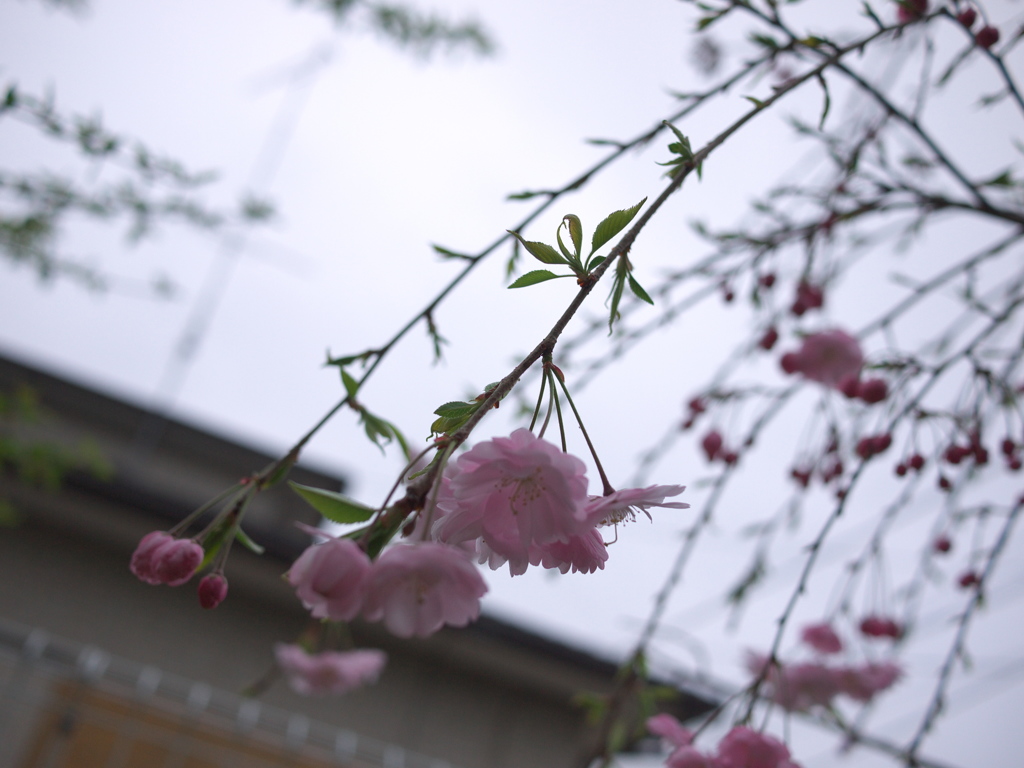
{"x":373,"y":158}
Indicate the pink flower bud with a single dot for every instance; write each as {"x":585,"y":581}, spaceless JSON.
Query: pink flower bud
{"x":176,"y":561}
{"x":213,"y":588}
{"x":142,"y":564}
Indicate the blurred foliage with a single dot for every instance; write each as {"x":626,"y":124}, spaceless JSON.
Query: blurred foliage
{"x":36,"y":462}
{"x":147,"y":190}
{"x":36,"y":208}
{"x":412,"y":30}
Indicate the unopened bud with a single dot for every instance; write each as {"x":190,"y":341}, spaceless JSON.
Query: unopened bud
{"x":213,"y":588}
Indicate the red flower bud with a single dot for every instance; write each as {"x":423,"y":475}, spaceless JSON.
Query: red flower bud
{"x":967,"y":17}
{"x":766,"y":280}
{"x":850,"y":386}
{"x":770,"y":337}
{"x":712,"y":444}
{"x":873,"y":390}
{"x":943,"y":544}
{"x":790,"y":362}
{"x":987,"y":37}
{"x":910,"y":10}
{"x":969,"y":579}
{"x":880,"y":626}
{"x":916,"y":462}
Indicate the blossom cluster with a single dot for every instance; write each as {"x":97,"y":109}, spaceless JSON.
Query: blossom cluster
{"x":742,"y":747}
{"x":161,"y":558}
{"x":521,"y":500}
{"x":414,"y":589}
{"x":329,"y":672}
{"x":802,"y":686}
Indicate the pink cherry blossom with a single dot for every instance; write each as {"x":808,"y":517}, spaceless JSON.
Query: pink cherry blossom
{"x":797,"y":687}
{"x":864,"y":682}
{"x":418,"y":589}
{"x":583,"y":554}
{"x":822,"y":638}
{"x":331,"y":578}
{"x":624,"y":505}
{"x":829,"y":357}
{"x":743,"y":747}
{"x":330,"y":671}
{"x":670,"y":729}
{"x":515,"y":492}
{"x":213,"y":588}
{"x":691,"y":757}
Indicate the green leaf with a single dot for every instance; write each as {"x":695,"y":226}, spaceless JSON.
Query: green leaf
{"x":456,"y":408}
{"x":616,"y":295}
{"x":640,"y":292}
{"x":575,"y":232}
{"x":1004,"y":179}
{"x":332,"y":505}
{"x":540,"y":251}
{"x":351,"y":385}
{"x":243,"y":538}
{"x":613,"y":224}
{"x":756,"y":102}
{"x":527,"y":194}
{"x":452,"y":254}
{"x":828,"y":101}
{"x":534,"y":277}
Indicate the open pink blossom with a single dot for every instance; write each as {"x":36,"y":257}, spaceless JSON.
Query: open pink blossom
{"x":670,"y":729}
{"x":798,"y":687}
{"x":691,"y":757}
{"x":830,"y":357}
{"x":743,"y":747}
{"x":515,"y":492}
{"x":330,"y":671}
{"x":619,"y":506}
{"x":863,"y":683}
{"x":331,"y":579}
{"x":582,"y":554}
{"x":822,"y":638}
{"x":418,"y":589}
